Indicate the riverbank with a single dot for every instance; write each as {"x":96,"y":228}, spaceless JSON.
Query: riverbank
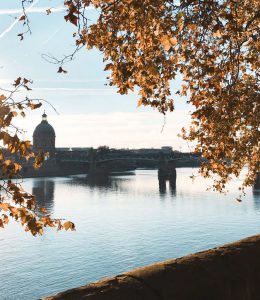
{"x":223,"y":273}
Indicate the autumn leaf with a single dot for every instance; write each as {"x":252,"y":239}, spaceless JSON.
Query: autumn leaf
{"x":108,"y":67}
{"x":69,"y":226}
{"x":43,"y":210}
{"x":21,"y":35}
{"x":4,"y":206}
{"x":8,"y":162}
{"x":71,"y":18}
{"x":168,"y":42}
{"x":61,"y":70}
{"x":17,"y":81}
{"x":2,"y":97}
{"x":215,"y":47}
{"x":22,"y":18}
{"x":165,"y":40}
{"x":5,"y":219}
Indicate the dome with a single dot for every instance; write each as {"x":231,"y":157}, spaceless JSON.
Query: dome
{"x":44,"y":136}
{"x":44,"y":128}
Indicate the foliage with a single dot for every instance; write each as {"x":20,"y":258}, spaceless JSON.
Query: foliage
{"x":102,"y":150}
{"x":213,"y":44}
{"x":14,"y":201}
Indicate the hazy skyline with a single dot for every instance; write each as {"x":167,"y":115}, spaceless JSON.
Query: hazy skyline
{"x":90,"y":113}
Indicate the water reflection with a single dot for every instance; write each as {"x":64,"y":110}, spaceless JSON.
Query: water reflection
{"x":256,"y":198}
{"x":163,"y":186}
{"x":43,"y":189}
{"x":123,"y":222}
{"x":114,"y":183}
{"x":172,"y":184}
{"x":104,"y":181}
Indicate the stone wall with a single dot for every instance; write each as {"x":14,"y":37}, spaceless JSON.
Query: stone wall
{"x":225,"y":273}
{"x":53,"y":168}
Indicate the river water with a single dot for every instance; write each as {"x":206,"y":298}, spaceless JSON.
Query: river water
{"x":122,"y":223}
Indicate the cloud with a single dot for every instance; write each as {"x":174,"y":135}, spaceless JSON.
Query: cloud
{"x":6,"y":81}
{"x":57,"y":82}
{"x":63,"y":91}
{"x":79,"y":91}
{"x":117,"y":129}
{"x":73,"y":80}
{"x":8,"y":29}
{"x":29,"y":10}
{"x":33,"y":10}
{"x":16,"y":11}
{"x":52,"y":35}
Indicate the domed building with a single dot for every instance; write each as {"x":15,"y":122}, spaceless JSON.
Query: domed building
{"x":44,"y":136}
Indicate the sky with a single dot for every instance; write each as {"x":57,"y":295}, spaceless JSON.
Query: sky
{"x":90,"y":113}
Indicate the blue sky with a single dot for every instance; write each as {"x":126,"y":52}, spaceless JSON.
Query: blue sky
{"x":90,"y":113}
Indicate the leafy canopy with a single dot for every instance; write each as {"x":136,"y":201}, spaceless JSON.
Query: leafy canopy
{"x":213,"y":44}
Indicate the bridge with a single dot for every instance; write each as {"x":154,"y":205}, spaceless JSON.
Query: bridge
{"x":93,"y":156}
{"x":103,"y":161}
{"x":99,"y":167}
{"x":103,"y":165}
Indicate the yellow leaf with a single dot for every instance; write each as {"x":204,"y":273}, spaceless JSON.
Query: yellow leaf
{"x":166,"y":42}
{"x":153,"y":70}
{"x":7,"y":162}
{"x":17,"y":167}
{"x":173,"y":41}
{"x":217,"y":33}
{"x":69,"y":225}
{"x":4,"y":206}
{"x":2,"y":98}
{"x":108,"y":67}
{"x":6,"y":219}
{"x":43,"y":209}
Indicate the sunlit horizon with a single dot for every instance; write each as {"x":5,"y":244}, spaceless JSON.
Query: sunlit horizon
{"x":90,"y":112}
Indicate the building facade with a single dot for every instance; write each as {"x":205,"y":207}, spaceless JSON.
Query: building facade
{"x":44,"y":137}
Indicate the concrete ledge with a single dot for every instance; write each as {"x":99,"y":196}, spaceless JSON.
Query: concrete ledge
{"x":224,"y":273}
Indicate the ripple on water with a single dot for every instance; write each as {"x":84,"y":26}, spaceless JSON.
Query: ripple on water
{"x":124,"y":223}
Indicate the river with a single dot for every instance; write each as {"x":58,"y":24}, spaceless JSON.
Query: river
{"x":122,"y":223}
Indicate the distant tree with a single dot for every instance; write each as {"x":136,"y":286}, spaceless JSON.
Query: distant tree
{"x":213,"y":44}
{"x":103,"y":150}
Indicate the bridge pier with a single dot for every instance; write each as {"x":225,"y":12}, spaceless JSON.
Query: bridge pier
{"x":257,"y":181}
{"x":166,"y":169}
{"x":166,"y":172}
{"x":163,"y":185}
{"x":172,"y":181}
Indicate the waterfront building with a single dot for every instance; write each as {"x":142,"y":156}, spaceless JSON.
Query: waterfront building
{"x":166,"y":149}
{"x":44,"y":136}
